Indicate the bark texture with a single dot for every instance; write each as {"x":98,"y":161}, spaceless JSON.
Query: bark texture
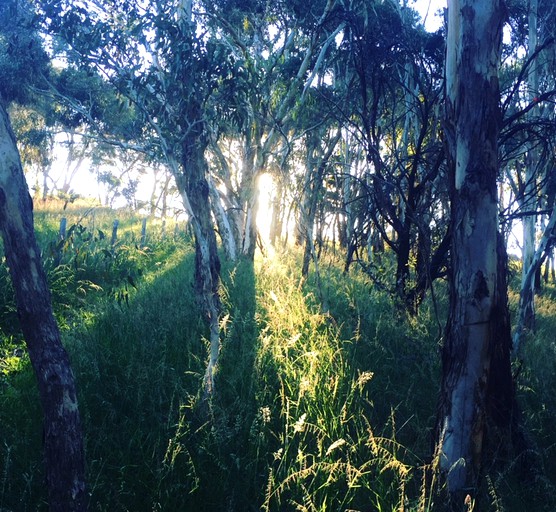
{"x":194,"y":188}
{"x":63,"y":439}
{"x":474,"y":350}
{"x":223,"y":221}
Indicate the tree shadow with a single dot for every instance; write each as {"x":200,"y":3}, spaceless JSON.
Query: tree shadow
{"x":224,"y":443}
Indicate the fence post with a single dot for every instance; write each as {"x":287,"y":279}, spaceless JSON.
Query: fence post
{"x":144,"y":232}
{"x":114,"y":232}
{"x":61,"y":237}
{"x":63,"y":224}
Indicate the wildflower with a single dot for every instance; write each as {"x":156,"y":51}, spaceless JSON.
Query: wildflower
{"x":334,"y":445}
{"x":363,"y":378}
{"x":304,"y":385}
{"x":469,"y":503}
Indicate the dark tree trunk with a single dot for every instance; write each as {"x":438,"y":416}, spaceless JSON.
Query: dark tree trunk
{"x":63,"y":438}
{"x":313,"y":188}
{"x":427,"y":272}
{"x":501,"y":405}
{"x":402,"y":261}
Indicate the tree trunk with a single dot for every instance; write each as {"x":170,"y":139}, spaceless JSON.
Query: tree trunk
{"x":63,"y":439}
{"x":164,"y":195}
{"x":529,"y":203}
{"x":252,"y":164}
{"x":250,"y":231}
{"x":473,"y":121}
{"x":316,"y":164}
{"x":223,"y":221}
{"x":528,"y":283}
{"x":193,"y":186}
{"x":350,"y":216}
{"x":402,"y":260}
{"x":277,"y":221}
{"x":230,"y":198}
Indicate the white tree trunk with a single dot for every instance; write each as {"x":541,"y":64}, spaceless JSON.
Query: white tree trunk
{"x":528,"y":282}
{"x":473,"y":121}
{"x":224,"y":226}
{"x":526,"y":311}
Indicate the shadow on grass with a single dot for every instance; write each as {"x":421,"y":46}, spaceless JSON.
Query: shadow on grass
{"x":299,"y":394}
{"x":136,"y":366}
{"x":139,"y":366}
{"x":225,"y":446}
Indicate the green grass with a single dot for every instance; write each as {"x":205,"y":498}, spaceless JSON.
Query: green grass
{"x":136,"y":367}
{"x":314,"y":410}
{"x":343,"y":416}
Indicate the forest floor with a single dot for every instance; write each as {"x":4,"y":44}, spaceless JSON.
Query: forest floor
{"x":315,"y":409}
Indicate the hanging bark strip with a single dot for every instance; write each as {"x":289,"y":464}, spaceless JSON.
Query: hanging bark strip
{"x":63,"y":439}
{"x":477,"y":300}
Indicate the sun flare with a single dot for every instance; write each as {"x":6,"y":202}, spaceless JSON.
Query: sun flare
{"x":267,"y":190}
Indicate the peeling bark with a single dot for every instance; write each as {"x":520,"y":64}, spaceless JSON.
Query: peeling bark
{"x":194,"y":188}
{"x":223,"y":222}
{"x":477,"y":301}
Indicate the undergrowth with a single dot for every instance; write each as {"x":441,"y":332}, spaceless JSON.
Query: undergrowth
{"x":316,"y":408}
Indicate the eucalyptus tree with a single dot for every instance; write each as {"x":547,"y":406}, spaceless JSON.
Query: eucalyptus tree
{"x":77,"y":152}
{"x":165,"y":63}
{"x":527,"y":141}
{"x":22,"y":64}
{"x":279,"y":50}
{"x":477,"y":385}
{"x":391,"y":70}
{"x":36,"y":144}
{"x":320,"y":146}
{"x":93,"y":126}
{"x":163,"y":189}
{"x":118,"y":172}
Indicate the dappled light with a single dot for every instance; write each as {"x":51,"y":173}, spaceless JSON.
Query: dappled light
{"x":279,"y":256}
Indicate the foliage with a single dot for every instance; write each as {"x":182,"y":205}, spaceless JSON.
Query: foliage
{"x":34,"y":142}
{"x":23,"y":60}
{"x":317,"y":411}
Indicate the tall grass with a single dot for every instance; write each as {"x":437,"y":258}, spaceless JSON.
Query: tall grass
{"x":325,"y":375}
{"x":316,"y":408}
{"x":136,"y":367}
{"x":130,"y":353}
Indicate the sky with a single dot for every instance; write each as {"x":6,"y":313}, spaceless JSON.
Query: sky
{"x":85,"y":183}
{"x":428,"y":10}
